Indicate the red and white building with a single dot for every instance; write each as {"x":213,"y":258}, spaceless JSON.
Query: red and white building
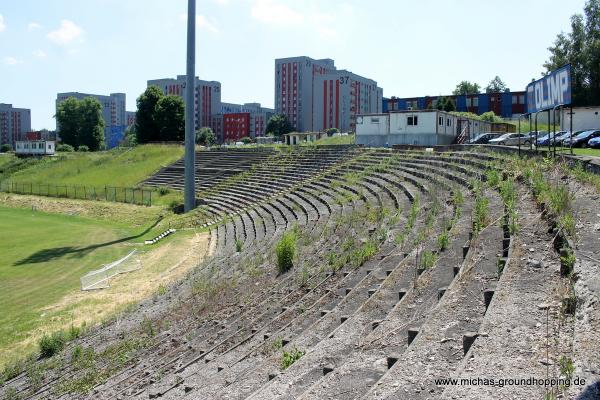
{"x":258,"y":117}
{"x":315,"y":96}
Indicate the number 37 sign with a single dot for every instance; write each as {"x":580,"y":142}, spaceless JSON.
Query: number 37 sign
{"x":550,"y":91}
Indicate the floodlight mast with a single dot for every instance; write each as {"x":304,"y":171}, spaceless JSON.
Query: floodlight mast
{"x":190,"y":156}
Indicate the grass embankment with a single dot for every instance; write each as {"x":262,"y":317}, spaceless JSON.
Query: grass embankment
{"x":114,"y":168}
{"x":336,"y":140}
{"x":44,"y":255}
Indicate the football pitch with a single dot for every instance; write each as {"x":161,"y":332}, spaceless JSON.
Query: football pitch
{"x":42,"y":258}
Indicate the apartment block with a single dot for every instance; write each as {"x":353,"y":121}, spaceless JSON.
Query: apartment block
{"x":315,"y":95}
{"x":14,"y":124}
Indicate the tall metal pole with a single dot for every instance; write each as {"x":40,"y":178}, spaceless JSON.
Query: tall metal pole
{"x":190,"y":190}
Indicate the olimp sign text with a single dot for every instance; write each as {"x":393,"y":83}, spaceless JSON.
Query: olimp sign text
{"x":550,"y":91}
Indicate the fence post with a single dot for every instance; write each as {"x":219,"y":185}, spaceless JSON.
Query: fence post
{"x":105,"y":194}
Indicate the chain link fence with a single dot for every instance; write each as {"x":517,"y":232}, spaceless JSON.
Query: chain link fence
{"x":137,"y":196}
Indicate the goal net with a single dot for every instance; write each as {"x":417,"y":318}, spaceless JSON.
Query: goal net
{"x":100,"y":278}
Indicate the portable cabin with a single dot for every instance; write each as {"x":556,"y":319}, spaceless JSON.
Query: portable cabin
{"x":35,"y":147}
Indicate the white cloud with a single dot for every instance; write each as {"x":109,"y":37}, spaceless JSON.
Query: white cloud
{"x":2,"y":25}
{"x":221,"y":2}
{"x":11,"y":61}
{"x":67,"y":33}
{"x":275,"y":13}
{"x":32,"y":26}
{"x":39,"y":53}
{"x":202,"y":22}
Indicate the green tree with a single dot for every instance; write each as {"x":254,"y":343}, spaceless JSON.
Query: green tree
{"x":91,"y":132}
{"x":206,"y":137}
{"x":449,"y":106}
{"x":496,"y":85}
{"x":146,"y":127}
{"x":68,"y":121}
{"x":279,"y":125}
{"x":130,"y":137}
{"x":80,"y":123}
{"x":169,"y":118}
{"x":466,"y":87}
{"x":580,"y":48}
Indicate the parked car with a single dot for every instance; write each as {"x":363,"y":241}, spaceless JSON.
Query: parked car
{"x":582,"y":139}
{"x":483,"y":138}
{"x":512,"y":139}
{"x":594,"y":142}
{"x":550,"y":138}
{"x":565,"y":139}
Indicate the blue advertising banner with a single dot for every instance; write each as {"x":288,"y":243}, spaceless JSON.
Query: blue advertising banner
{"x":550,"y":91}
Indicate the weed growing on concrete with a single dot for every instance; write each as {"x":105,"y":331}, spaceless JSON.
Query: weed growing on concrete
{"x":52,"y":344}
{"x":238,"y":245}
{"x":162,"y":289}
{"x":147,"y":327}
{"x":500,"y":267}
{"x":566,"y":367}
{"x":35,"y":376}
{"x":11,"y":370}
{"x":12,"y":394}
{"x":492,"y":178}
{"x":286,"y":251}
{"x":428,"y":259}
{"x":443,"y":240}
{"x":480,"y":212}
{"x":288,"y":358}
{"x":568,"y":259}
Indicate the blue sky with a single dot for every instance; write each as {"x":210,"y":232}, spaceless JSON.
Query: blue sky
{"x":411,"y":48}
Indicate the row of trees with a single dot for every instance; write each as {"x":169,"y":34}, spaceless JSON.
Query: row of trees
{"x":81,"y":124}
{"x":580,"y":48}
{"x":496,"y":85}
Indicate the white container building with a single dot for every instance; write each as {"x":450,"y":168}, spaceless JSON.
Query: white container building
{"x":584,"y":118}
{"x":418,"y":128}
{"x":35,"y":148}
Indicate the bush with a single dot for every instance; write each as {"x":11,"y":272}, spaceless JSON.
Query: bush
{"x":5,"y":148}
{"x":67,"y":148}
{"x":286,"y":250}
{"x":83,"y":148}
{"x":246,"y":140}
{"x":52,"y":344}
{"x":163,"y":190}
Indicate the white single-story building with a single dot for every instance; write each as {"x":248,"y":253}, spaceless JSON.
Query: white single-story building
{"x":35,"y":147}
{"x":419,"y":128}
{"x":584,"y":118}
{"x":295,"y":138}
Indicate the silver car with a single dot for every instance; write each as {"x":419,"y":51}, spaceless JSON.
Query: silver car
{"x":511,"y":139}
